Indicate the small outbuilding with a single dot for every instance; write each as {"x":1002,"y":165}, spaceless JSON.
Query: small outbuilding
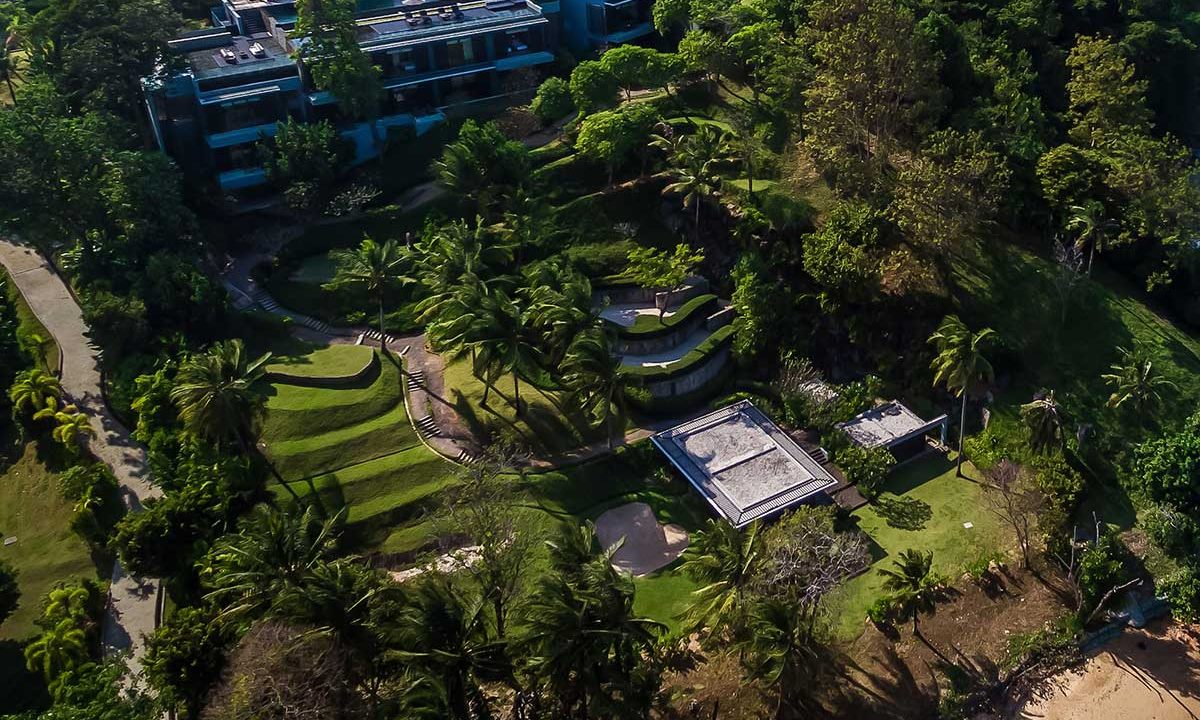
{"x":743,"y":465}
{"x":896,"y":428}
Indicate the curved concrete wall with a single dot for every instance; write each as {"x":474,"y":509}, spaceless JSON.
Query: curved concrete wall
{"x":366,"y":374}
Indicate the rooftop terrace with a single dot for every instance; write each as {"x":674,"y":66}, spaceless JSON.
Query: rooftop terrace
{"x":239,"y":55}
{"x":742,"y":463}
{"x":414,"y":20}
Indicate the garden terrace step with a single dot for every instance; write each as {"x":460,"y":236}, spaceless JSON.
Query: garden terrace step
{"x":820,"y":455}
{"x":467,"y":458}
{"x":428,"y":427}
{"x":414,"y":380}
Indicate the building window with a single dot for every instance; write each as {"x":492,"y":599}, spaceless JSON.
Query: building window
{"x":516,"y":42}
{"x":459,"y":52}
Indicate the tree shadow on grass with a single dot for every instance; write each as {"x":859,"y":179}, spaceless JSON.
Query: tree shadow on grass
{"x":904,"y":513}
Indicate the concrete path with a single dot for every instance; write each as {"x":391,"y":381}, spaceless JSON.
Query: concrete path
{"x":131,"y":611}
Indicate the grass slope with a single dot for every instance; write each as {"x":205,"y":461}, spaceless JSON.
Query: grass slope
{"x":923,"y":507}
{"x":333,"y":362}
{"x":306,"y":456}
{"x":47,"y":550}
{"x":294,"y":411}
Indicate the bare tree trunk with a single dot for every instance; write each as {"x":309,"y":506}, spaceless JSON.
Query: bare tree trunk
{"x":1091,"y":256}
{"x":962,"y":432}
{"x":382,"y":334}
{"x":516,"y":392}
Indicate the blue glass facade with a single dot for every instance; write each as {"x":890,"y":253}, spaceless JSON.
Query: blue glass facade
{"x":229,"y":85}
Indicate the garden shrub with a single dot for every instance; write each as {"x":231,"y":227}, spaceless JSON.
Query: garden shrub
{"x":1174,"y":532}
{"x":1059,"y":482}
{"x":865,"y":467}
{"x":553,"y":100}
{"x":1101,"y":568}
{"x":1182,"y":589}
{"x":882,"y":612}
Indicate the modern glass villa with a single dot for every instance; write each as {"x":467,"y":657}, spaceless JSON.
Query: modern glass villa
{"x":228,"y":86}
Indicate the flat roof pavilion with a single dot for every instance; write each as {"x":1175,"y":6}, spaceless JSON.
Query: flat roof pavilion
{"x":890,"y":425}
{"x":742,"y":463}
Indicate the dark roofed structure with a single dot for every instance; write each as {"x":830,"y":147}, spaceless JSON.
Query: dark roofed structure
{"x":894,"y":427}
{"x":743,"y":464}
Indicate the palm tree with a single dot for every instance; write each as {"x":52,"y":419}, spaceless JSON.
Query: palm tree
{"x":594,"y":373}
{"x":60,"y":648}
{"x":724,"y":559}
{"x":916,"y":588}
{"x":499,"y":336}
{"x":32,"y":388}
{"x":69,"y":602}
{"x":959,"y":365}
{"x":779,"y":650}
{"x":560,"y":307}
{"x":214,"y":392}
{"x":1091,"y":225}
{"x":583,"y":640}
{"x":273,"y":551}
{"x":447,"y":637}
{"x":692,"y":171}
{"x":1046,"y":422}
{"x":373,"y":266}
{"x":1136,"y":382}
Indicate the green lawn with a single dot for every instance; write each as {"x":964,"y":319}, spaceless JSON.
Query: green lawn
{"x":317,"y":269}
{"x":47,"y":550}
{"x":924,"y":506}
{"x":542,"y":424}
{"x":35,"y":339}
{"x":1012,"y":291}
{"x":294,"y":411}
{"x":312,"y":454}
{"x":332,"y":361}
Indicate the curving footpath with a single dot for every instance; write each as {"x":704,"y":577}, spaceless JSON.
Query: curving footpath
{"x":131,"y":613}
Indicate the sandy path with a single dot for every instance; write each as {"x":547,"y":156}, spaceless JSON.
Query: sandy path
{"x":131,"y":610}
{"x":1143,"y":675}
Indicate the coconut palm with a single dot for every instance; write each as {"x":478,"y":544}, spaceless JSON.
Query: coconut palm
{"x":1046,"y":422}
{"x":499,"y":336}
{"x":780,"y":651}
{"x":61,"y":647}
{"x":1091,"y":226}
{"x":32,"y":388}
{"x":1136,"y":383}
{"x":915,"y":587}
{"x":560,"y":307}
{"x":373,"y":266}
{"x":960,"y":365}
{"x":594,"y":374}
{"x":446,"y":634}
{"x":693,"y":163}
{"x":584,"y":642}
{"x":724,"y":559}
{"x":70,"y":425}
{"x":272,"y":551}
{"x":214,"y":391}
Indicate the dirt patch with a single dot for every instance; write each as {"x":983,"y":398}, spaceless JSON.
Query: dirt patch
{"x":1150,"y":674}
{"x":649,"y":544}
{"x":894,"y":669}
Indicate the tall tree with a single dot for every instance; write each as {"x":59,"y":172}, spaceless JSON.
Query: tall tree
{"x":1136,"y":382}
{"x":500,"y":338}
{"x":593,"y":371}
{"x":33,"y":389}
{"x":693,"y":166}
{"x":1091,"y":227}
{"x":780,"y":650}
{"x":1046,"y":422}
{"x":960,"y":365}
{"x":215,"y":393}
{"x":916,"y":587}
{"x":60,"y":648}
{"x":249,"y":571}
{"x":331,"y":53}
{"x":724,"y":560}
{"x":375,"y":267}
{"x":664,"y":269}
{"x":482,"y":167}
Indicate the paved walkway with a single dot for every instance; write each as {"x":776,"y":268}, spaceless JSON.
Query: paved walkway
{"x":131,"y":611}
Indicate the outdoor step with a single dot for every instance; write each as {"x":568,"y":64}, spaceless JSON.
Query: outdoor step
{"x":820,"y":455}
{"x":428,"y":426}
{"x":467,"y":458}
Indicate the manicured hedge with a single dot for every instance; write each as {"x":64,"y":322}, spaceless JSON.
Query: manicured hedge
{"x":649,"y":326}
{"x":640,"y":398}
{"x":720,"y":337}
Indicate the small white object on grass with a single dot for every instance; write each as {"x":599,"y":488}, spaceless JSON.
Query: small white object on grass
{"x":968,"y":525}
{"x":10,"y":541}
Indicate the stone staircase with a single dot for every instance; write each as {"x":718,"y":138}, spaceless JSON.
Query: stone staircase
{"x":266,"y":302}
{"x":427,"y":426}
{"x":414,"y":381}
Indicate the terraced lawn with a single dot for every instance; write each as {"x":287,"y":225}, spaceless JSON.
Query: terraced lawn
{"x":294,"y":411}
{"x":923,"y":507}
{"x":307,"y":456}
{"x":543,"y":425}
{"x":332,"y":361}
